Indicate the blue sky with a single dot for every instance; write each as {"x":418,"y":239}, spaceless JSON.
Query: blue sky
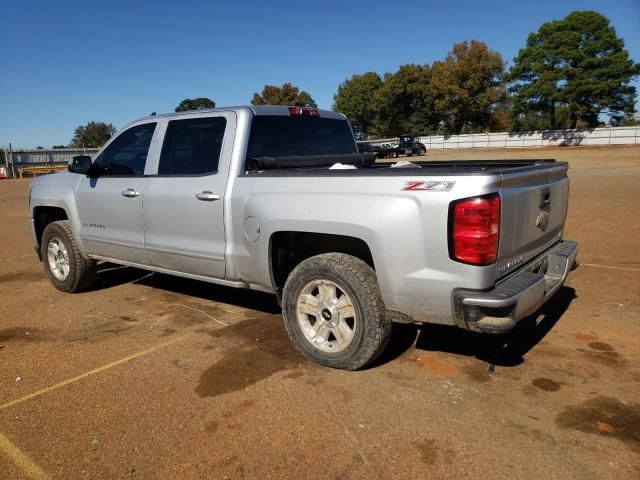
{"x":69,"y":62}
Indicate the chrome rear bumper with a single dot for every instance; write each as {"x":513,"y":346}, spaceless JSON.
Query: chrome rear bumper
{"x":499,"y":309}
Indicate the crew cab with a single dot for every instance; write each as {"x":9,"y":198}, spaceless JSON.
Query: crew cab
{"x":278,"y":199}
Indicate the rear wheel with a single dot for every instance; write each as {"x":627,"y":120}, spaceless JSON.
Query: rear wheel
{"x":333,"y":311}
{"x":423,"y":151}
{"x":67,"y":268}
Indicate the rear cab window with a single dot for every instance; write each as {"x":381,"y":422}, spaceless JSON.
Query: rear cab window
{"x":287,"y":136}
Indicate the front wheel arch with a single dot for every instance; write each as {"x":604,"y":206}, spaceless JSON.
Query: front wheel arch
{"x":44,"y":215}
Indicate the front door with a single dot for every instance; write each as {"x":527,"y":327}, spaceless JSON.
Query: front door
{"x":184,"y":201}
{"x":110,"y":204}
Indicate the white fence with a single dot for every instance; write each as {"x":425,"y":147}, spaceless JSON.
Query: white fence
{"x":544,"y":138}
{"x":44,"y":156}
{"x":14,"y":160}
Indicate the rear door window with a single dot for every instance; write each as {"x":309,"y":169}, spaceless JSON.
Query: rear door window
{"x":192,"y":146}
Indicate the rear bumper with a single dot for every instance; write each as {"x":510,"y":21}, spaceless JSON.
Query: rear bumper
{"x":499,"y":309}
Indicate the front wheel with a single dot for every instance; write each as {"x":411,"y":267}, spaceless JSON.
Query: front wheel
{"x":68,"y":269}
{"x":333,"y":311}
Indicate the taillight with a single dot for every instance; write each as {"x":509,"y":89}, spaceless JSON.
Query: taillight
{"x":474,"y":229}
{"x":311,"y":112}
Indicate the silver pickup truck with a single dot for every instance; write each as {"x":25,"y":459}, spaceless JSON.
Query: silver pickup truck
{"x":278,"y":199}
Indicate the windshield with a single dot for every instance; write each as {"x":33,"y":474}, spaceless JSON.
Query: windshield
{"x":287,"y":136}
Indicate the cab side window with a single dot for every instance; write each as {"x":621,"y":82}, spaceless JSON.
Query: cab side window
{"x":192,"y":146}
{"x":127,"y":154}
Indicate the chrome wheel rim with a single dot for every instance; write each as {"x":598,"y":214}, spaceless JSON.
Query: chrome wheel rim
{"x":326,"y":315}
{"x":58,"y":259}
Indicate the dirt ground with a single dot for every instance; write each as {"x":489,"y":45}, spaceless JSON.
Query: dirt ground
{"x":149,"y":376}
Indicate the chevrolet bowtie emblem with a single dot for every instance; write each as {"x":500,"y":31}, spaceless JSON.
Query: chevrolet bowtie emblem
{"x":543,"y":220}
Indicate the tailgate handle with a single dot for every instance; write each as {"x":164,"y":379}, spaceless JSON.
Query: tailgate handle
{"x":545,"y":197}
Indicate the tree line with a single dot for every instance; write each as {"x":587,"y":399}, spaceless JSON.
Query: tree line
{"x":96,"y":134}
{"x":571,"y":73}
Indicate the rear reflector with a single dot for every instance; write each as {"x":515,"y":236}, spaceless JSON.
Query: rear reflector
{"x":474,"y":229}
{"x":311,"y":112}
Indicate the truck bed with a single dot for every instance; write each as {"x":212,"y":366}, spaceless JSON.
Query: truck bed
{"x":449,"y":167}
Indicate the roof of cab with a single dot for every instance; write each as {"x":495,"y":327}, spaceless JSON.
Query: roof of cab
{"x":255,"y":109}
{"x":284,"y":110}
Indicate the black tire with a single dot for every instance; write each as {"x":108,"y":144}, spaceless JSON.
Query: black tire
{"x":82,"y":270}
{"x":358,"y":280}
{"x":423,"y":151}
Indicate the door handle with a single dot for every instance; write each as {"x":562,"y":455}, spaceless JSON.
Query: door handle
{"x":207,"y":196}
{"x":130,"y":192}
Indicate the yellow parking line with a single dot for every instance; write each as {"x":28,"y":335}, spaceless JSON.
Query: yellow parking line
{"x":92,"y":372}
{"x":20,"y":459}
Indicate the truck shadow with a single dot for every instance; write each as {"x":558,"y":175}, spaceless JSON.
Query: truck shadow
{"x":502,"y":350}
{"x":110,"y":275}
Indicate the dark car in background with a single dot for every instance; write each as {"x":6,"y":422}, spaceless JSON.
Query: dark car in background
{"x":409,"y":145}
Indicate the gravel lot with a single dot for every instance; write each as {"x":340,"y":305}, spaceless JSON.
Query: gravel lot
{"x":149,"y":376}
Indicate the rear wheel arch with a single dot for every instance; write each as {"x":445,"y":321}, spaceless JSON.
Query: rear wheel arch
{"x":287,"y":249}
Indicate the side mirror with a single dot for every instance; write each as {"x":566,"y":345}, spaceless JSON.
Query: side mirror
{"x":80,"y":164}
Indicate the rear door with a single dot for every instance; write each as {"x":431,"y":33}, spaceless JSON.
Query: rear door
{"x":184,"y":200}
{"x":533,"y":211}
{"x":110,"y":205}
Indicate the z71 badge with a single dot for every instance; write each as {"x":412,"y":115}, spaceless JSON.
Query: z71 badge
{"x":430,"y":186}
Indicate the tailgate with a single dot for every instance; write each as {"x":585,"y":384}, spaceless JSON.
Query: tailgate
{"x":533,"y":211}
